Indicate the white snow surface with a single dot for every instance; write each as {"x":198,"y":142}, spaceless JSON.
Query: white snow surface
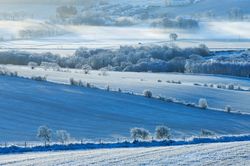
{"x":92,"y":114}
{"x":236,"y":153}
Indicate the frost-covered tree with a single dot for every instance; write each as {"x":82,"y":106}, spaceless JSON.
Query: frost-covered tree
{"x":45,"y":134}
{"x":139,"y":133}
{"x":148,"y":93}
{"x":173,"y":36}
{"x":203,"y":103}
{"x":162,"y":132}
{"x":62,"y":136}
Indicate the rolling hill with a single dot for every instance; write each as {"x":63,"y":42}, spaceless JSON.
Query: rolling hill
{"x":93,"y":114}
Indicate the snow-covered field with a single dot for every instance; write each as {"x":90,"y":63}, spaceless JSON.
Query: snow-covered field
{"x":236,"y":154}
{"x":138,"y":82}
{"x":101,"y":118}
{"x":93,"y":114}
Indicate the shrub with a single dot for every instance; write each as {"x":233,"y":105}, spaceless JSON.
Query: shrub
{"x":147,"y":93}
{"x":230,"y":86}
{"x":32,"y":65}
{"x":161,"y":98}
{"x":206,"y":133}
{"x":39,"y":78}
{"x":219,"y":86}
{"x":162,"y":132}
{"x":88,"y":85}
{"x":173,"y":36}
{"x":139,"y":133}
{"x":228,"y":108}
{"x":239,"y":88}
{"x":73,"y":82}
{"x":190,"y":104}
{"x":86,"y":69}
{"x":5,"y":72}
{"x":108,"y":88}
{"x":203,"y":103}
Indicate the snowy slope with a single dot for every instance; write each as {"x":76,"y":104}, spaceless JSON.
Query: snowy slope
{"x":206,"y":154}
{"x":137,"y":82}
{"x":94,"y":114}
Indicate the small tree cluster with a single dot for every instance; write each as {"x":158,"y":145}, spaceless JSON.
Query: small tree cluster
{"x":75,"y":83}
{"x":45,"y":134}
{"x":139,"y":133}
{"x":39,"y":78}
{"x":161,"y":132}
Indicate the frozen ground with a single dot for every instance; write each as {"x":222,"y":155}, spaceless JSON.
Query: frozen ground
{"x":236,"y":153}
{"x":138,"y":82}
{"x":92,"y":114}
